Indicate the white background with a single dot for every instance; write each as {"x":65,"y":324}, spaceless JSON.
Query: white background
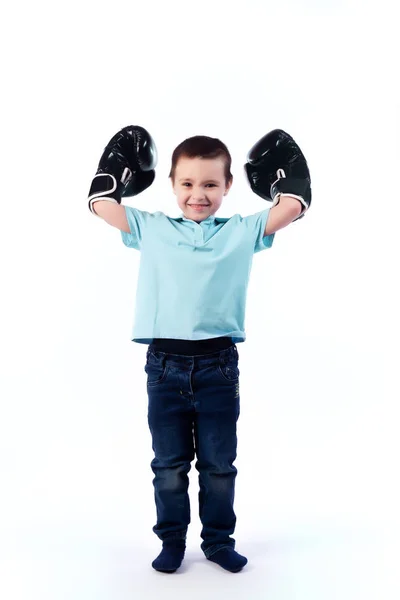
{"x":317,"y":493}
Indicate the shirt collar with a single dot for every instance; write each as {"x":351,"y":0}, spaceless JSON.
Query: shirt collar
{"x":209,"y":221}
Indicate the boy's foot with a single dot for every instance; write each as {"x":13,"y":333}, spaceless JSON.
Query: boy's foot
{"x":229,"y":559}
{"x":170,"y":557}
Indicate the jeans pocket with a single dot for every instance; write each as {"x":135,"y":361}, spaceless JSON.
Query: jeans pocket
{"x":155,"y":374}
{"x":156,"y":370}
{"x":229,"y":372}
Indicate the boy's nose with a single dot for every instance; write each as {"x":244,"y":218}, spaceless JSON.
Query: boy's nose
{"x":198,"y":195}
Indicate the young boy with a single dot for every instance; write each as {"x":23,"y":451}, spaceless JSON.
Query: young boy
{"x":190,"y":309}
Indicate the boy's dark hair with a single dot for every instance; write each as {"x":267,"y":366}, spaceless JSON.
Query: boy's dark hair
{"x":202,"y":146}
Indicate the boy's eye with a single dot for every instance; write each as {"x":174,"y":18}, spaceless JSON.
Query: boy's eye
{"x":187,"y":183}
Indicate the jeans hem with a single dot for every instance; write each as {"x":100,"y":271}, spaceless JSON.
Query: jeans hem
{"x":213,"y":549}
{"x":174,"y":536}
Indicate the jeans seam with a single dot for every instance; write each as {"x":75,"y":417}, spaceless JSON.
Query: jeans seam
{"x":213,"y":549}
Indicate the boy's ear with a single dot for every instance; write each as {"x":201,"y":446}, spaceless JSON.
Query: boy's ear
{"x":228,"y":187}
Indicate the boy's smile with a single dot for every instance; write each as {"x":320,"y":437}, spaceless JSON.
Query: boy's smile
{"x":200,"y":186}
{"x":198,"y":207}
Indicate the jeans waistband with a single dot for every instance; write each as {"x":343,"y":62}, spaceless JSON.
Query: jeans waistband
{"x":191,"y":347}
{"x":183,"y":361}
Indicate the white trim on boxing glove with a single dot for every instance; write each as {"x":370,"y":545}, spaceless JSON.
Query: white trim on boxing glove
{"x":280,"y":174}
{"x":109,"y":191}
{"x":275,"y":200}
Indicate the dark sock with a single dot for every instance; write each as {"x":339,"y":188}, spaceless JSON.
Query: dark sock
{"x":170,"y":557}
{"x":229,"y":559}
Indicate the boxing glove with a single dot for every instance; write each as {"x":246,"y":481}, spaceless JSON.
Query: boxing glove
{"x":126,"y":167}
{"x":276,"y":165}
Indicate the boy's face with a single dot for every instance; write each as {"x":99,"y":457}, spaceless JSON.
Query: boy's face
{"x":200,"y":186}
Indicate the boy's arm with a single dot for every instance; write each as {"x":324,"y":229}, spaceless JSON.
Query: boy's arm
{"x":282,"y":214}
{"x":113,"y":214}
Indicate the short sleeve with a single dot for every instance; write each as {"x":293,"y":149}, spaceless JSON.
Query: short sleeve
{"x":256,"y":225}
{"x":137,"y":221}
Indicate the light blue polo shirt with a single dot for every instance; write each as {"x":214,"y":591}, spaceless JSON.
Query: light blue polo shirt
{"x":193,"y":277}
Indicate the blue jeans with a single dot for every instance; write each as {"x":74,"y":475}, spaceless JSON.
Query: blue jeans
{"x":193,"y":409}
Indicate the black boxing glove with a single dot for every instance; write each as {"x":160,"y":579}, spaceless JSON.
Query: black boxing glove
{"x":276,"y":165}
{"x":126,"y":167}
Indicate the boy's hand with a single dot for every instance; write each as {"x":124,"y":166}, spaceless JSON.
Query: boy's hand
{"x":126,"y":167}
{"x":276,"y":165}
